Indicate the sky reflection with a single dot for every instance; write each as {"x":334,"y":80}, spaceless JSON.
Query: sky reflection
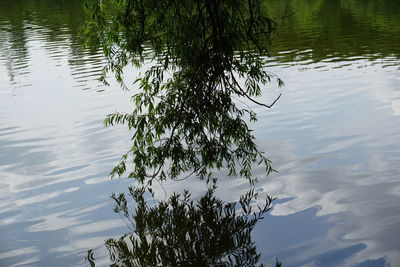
{"x":333,"y":136}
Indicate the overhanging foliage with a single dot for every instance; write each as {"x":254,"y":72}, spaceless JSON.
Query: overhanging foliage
{"x":202,"y":54}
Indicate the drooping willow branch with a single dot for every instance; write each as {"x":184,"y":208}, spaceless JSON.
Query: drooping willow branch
{"x":187,"y":122}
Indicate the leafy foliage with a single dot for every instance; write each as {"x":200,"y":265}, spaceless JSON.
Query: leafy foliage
{"x":202,"y":54}
{"x":179,"y":232}
{"x":201,"y":57}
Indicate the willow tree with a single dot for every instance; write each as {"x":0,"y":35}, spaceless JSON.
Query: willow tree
{"x":200,"y":58}
{"x":181,"y":232}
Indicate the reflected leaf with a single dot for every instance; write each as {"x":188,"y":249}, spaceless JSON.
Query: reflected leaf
{"x":183,"y":232}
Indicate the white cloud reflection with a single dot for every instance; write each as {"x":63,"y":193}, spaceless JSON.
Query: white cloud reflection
{"x":62,"y":220}
{"x":95,"y":227}
{"x":19,"y":252}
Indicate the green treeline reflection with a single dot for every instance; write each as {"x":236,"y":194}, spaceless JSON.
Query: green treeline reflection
{"x":56,"y":24}
{"x":337,"y":28}
{"x":328,"y":27}
{"x":16,"y":16}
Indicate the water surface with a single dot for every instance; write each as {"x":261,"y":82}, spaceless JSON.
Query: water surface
{"x":333,"y":136}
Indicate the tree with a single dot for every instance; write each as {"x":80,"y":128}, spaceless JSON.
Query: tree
{"x":179,"y":232}
{"x":200,"y":56}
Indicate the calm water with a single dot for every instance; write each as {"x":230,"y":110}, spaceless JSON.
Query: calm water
{"x":334,"y":136}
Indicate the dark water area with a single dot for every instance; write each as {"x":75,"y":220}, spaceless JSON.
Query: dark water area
{"x":334,"y":136}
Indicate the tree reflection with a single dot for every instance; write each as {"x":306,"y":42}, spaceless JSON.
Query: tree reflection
{"x":184,"y":232}
{"x":55,"y":24}
{"x":337,"y":28}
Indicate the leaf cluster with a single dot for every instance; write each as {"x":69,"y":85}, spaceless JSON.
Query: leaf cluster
{"x":181,"y":232}
{"x":201,"y":55}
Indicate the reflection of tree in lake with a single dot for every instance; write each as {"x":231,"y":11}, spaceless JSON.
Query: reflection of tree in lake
{"x":52,"y":15}
{"x":55,"y":24}
{"x":329,"y":28}
{"x":185,"y":122}
{"x":188,"y":123}
{"x":336,"y":28}
{"x":13,"y":47}
{"x":179,"y":232}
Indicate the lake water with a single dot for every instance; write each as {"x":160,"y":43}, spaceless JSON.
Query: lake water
{"x":334,"y":136}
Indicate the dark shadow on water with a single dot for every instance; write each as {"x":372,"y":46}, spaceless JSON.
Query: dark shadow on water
{"x":183,"y":232}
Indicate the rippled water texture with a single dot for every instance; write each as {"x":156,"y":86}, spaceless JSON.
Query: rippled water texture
{"x":334,"y":136}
